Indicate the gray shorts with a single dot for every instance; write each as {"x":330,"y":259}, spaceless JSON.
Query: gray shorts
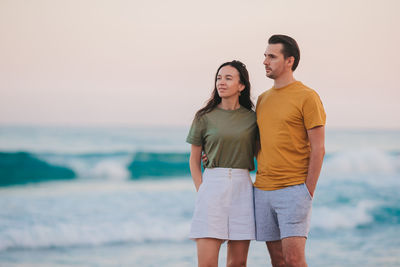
{"x":282,"y":213}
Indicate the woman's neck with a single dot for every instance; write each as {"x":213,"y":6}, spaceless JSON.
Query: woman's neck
{"x":229,"y":103}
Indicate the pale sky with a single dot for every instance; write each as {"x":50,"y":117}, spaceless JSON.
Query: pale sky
{"x":81,"y":62}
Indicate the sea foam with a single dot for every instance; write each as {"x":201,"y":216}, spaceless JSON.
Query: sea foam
{"x":340,"y":216}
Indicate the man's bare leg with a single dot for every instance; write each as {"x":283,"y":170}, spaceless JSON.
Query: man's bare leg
{"x":208,"y":251}
{"x":237,"y":253}
{"x":275,"y":253}
{"x":293,"y":249}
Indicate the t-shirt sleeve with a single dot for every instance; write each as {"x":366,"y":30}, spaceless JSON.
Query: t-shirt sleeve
{"x":313,"y":111}
{"x":196,"y":132}
{"x":258,"y":101}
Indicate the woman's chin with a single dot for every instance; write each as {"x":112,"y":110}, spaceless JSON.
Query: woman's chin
{"x":226,"y":96}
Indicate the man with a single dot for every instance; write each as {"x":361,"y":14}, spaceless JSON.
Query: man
{"x":291,"y":120}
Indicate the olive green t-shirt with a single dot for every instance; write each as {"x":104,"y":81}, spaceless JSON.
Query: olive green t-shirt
{"x":228,"y":137}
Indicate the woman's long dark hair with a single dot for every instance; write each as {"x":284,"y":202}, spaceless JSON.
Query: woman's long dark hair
{"x":244,"y":98}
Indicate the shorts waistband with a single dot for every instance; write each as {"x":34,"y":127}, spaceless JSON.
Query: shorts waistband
{"x":227,"y":171}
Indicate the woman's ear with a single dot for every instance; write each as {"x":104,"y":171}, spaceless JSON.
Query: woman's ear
{"x":241,"y":87}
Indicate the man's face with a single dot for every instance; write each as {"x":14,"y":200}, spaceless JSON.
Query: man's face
{"x":275,"y":62}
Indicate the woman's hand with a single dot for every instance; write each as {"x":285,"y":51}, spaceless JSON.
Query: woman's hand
{"x":197,"y":186}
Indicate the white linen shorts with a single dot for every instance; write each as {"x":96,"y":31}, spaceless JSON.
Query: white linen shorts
{"x":224,"y":206}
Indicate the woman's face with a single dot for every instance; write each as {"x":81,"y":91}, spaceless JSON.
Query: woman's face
{"x":228,"y":82}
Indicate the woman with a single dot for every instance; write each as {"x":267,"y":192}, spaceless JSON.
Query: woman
{"x":226,"y":130}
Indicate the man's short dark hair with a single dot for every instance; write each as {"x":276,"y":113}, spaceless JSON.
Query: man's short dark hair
{"x":290,"y":47}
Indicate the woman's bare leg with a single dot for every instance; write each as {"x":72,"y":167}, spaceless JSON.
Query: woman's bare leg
{"x":208,"y":251}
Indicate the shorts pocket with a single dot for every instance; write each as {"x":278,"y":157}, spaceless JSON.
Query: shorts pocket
{"x":200,"y":187}
{"x":308,"y":192}
{"x":200,"y":193}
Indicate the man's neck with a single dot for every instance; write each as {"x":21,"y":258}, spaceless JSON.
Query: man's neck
{"x":284,"y":80}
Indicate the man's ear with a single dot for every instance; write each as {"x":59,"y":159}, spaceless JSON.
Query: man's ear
{"x":290,"y":61}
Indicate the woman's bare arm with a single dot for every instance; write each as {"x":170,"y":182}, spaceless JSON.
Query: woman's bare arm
{"x":195,"y":165}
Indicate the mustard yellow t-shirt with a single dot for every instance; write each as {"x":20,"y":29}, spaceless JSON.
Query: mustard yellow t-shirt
{"x":283,"y":116}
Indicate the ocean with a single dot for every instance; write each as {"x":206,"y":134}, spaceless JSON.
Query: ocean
{"x":109,"y":196}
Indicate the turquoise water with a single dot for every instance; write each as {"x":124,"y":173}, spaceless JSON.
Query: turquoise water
{"x":130,"y":200}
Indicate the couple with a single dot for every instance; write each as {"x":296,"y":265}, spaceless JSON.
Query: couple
{"x":286,"y":133}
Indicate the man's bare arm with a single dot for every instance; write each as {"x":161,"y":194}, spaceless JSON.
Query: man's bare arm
{"x":317,"y":142}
